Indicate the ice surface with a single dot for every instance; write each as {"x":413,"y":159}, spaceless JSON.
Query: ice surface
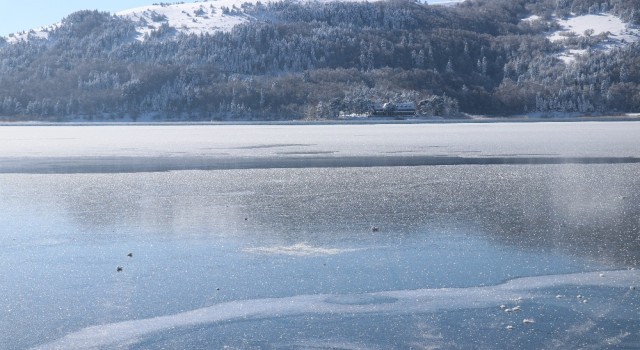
{"x":149,"y":148}
{"x":392,"y":302}
{"x":287,"y":238}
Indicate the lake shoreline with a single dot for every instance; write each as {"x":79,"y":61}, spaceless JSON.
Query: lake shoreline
{"x":352,"y":121}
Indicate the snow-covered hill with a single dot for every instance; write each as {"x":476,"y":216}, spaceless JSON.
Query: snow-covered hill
{"x":204,"y":16}
{"x":37,"y":33}
{"x":209,"y":16}
{"x":190,"y":18}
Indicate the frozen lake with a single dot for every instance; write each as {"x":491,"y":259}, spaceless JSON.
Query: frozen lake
{"x":503,"y":235}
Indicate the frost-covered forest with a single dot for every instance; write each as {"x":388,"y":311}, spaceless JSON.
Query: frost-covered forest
{"x":297,"y":60}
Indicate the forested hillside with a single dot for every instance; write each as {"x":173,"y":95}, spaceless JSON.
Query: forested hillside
{"x":298,"y":60}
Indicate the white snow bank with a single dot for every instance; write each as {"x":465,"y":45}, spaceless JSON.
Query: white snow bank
{"x":125,"y":333}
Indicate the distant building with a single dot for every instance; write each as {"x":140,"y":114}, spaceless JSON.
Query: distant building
{"x":402,"y":109}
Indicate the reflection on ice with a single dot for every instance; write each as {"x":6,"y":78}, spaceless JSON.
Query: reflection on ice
{"x":393,"y":302}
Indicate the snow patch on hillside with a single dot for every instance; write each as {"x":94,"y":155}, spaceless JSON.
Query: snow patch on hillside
{"x":597,"y":24}
{"x":207,"y":16}
{"x":38,"y":33}
{"x":190,"y":18}
{"x":531,"y":18}
{"x":443,"y":2}
{"x":613,"y":30}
